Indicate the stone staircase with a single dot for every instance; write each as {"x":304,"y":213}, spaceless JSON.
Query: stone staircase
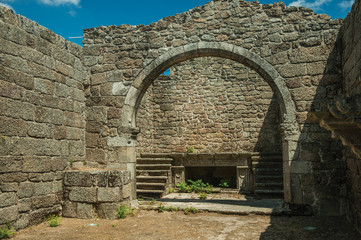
{"x":268,"y":176}
{"x":153,"y":173}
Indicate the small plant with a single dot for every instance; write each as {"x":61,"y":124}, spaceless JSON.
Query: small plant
{"x":71,"y":162}
{"x":224,"y":183}
{"x":84,"y":162}
{"x":53,"y":220}
{"x":189,"y":210}
{"x":190,"y":149}
{"x":171,"y":190}
{"x":203,"y":195}
{"x":183,"y":187}
{"x":199,"y":186}
{"x":170,"y":209}
{"x":140,"y":199}
{"x":123,"y":211}
{"x":152,"y":201}
{"x":113,"y":225}
{"x":161,"y":208}
{"x":6,"y":232}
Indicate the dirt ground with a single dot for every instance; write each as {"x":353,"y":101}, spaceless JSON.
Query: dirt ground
{"x":151,"y":225}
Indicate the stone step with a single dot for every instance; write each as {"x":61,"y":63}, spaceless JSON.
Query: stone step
{"x":267,"y":178}
{"x":267,"y":171}
{"x":260,"y":164}
{"x":152,"y":179}
{"x":153,"y":166}
{"x":275,"y":158}
{"x":154,"y":155}
{"x":150,"y":172}
{"x":154,"y":160}
{"x":269,"y":186}
{"x":273,"y":193}
{"x":158,"y":191}
{"x":151,"y":186}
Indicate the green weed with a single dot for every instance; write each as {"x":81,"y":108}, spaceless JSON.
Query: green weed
{"x":224,"y":183}
{"x":161,"y":208}
{"x":123,"y":211}
{"x":6,"y":232}
{"x":53,"y":220}
{"x":189,"y":210}
{"x":190,"y":149}
{"x":203,"y":195}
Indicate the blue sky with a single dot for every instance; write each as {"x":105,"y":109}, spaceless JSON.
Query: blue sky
{"x":69,"y":17}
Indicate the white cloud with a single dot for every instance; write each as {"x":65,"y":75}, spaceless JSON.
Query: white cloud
{"x":316,"y":5}
{"x":346,"y":4}
{"x":7,"y":6}
{"x":60,"y":2}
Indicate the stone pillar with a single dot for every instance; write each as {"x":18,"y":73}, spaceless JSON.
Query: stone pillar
{"x":124,"y":146}
{"x":178,"y":175}
{"x":290,"y":136}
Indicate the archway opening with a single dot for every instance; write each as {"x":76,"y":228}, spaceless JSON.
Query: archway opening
{"x":205,"y":113}
{"x":289,"y":126}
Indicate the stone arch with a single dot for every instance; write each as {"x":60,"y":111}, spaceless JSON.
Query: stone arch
{"x":204,"y":49}
{"x":289,"y":126}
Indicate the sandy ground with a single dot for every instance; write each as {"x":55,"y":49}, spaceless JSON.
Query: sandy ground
{"x":176,"y":225}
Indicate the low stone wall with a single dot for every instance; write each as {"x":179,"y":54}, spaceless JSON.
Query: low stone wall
{"x":95,"y":193}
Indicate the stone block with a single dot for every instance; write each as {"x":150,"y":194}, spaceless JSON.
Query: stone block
{"x":70,"y":209}
{"x":13,"y":177}
{"x":118,"y":178}
{"x":43,"y":188}
{"x":58,"y":163}
{"x":7,"y":199}
{"x":79,"y":179}
{"x":109,"y":194}
{"x":22,"y":221}
{"x":10,"y":164}
{"x":39,"y":130}
{"x":126,"y":191}
{"x":9,"y":187}
{"x":44,"y":86}
{"x":76,"y":148}
{"x":43,"y":201}
{"x":8,"y":214}
{"x":36,"y":164}
{"x":85,"y":211}
{"x":26,"y":189}
{"x":95,"y":155}
{"x":24,"y":205}
{"x":108,"y":210}
{"x":83,"y":194}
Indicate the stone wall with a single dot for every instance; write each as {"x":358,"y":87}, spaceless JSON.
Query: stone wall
{"x":212,"y":104}
{"x":351,"y":70}
{"x":351,"y":52}
{"x":42,"y":120}
{"x":297,"y":43}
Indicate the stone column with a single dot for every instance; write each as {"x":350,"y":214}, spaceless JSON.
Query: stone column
{"x":290,"y":152}
{"x":124,"y":146}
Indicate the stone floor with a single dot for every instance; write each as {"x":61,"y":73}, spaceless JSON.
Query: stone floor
{"x":226,"y":203}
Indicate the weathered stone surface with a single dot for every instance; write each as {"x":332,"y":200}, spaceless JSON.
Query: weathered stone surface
{"x":8,"y":214}
{"x":79,"y":179}
{"x":108,"y":210}
{"x":109,"y":194}
{"x":7,"y":199}
{"x":85,"y":210}
{"x":83,"y":194}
